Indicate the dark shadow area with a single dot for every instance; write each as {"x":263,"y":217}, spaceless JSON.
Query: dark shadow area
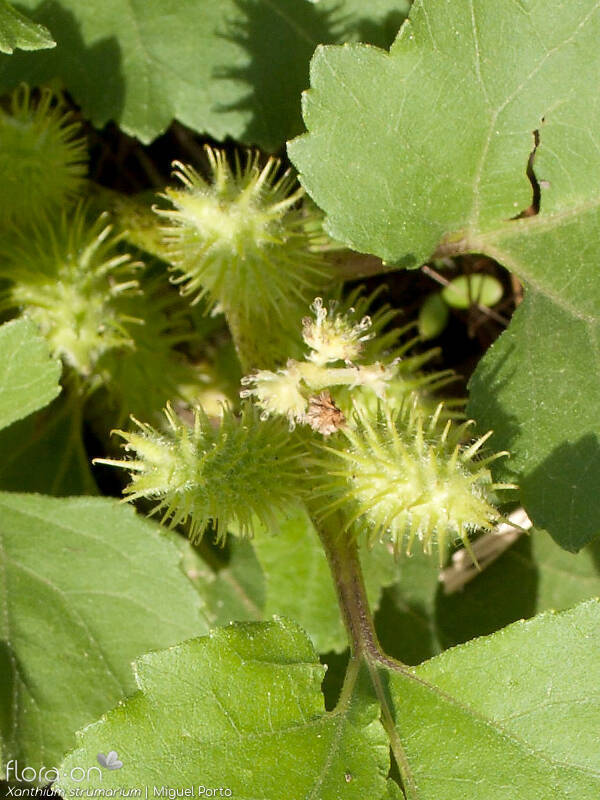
{"x":333,"y":681}
{"x":468,"y":332}
{"x":486,"y":386}
{"x":45,"y":452}
{"x":408,"y":261}
{"x":563,"y":493}
{"x":594,"y":548}
{"x":279,"y":41}
{"x":89,"y":72}
{"x":8,"y":661}
{"x":382,"y":33}
{"x":406,"y":631}
{"x":503,"y":593}
{"x":534,"y":207}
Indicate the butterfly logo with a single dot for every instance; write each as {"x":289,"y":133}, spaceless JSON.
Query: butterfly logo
{"x":110,"y":761}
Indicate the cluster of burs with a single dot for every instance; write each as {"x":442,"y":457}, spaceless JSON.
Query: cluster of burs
{"x":335,"y":412}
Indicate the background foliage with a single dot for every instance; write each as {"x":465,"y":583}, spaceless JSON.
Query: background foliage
{"x":474,"y":134}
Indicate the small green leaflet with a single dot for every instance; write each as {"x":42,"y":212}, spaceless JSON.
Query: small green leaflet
{"x":16,"y":31}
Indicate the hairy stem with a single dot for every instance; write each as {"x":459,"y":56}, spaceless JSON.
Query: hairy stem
{"x":344,"y":563}
{"x":345,"y":566}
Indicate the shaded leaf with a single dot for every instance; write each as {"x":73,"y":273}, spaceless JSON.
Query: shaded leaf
{"x":417,"y":620}
{"x":28,"y":376}
{"x":86,"y":587}
{"x":406,"y":620}
{"x":534,"y":575}
{"x":225,"y":67}
{"x":285,"y":573}
{"x":45,"y":452}
{"x":299,"y":584}
{"x":235,"y":592}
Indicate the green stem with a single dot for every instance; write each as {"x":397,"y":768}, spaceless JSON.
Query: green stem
{"x":346,"y":570}
{"x":389,"y":724}
{"x":344,"y":563}
{"x":245,"y":346}
{"x":251,"y":341}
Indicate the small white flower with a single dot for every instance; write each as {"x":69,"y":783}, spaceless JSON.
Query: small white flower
{"x":332,"y":337}
{"x":375,"y":376}
{"x":277,"y":393}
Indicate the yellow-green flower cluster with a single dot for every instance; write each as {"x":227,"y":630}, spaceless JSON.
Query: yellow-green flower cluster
{"x":392,"y":466}
{"x":332,"y":337}
{"x":335,"y":341}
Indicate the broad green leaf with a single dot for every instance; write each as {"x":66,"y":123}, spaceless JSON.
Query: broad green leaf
{"x":427,"y":146}
{"x":86,"y":587}
{"x":512,"y":715}
{"x":417,"y":620}
{"x":16,"y":31}
{"x":538,"y":387}
{"x":45,"y":452}
{"x":28,"y":376}
{"x":225,"y":67}
{"x":241,"y":709}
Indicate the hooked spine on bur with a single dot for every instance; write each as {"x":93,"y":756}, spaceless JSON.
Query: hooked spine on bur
{"x":67,"y":274}
{"x":243,"y":240}
{"x":401,"y":479}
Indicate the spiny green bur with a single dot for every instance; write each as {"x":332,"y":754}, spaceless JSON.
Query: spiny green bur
{"x":43,"y":158}
{"x":239,"y":470}
{"x":243,"y":240}
{"x":403,"y":480}
{"x":67,"y":274}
